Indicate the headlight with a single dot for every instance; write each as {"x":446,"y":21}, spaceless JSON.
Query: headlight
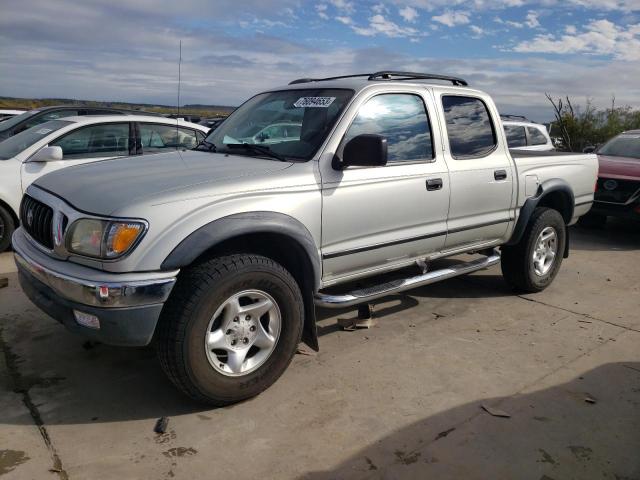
{"x":103,"y":238}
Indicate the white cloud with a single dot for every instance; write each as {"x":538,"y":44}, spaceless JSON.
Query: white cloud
{"x":321,"y":9}
{"x":570,"y":29}
{"x":531,"y":20}
{"x":409,"y":14}
{"x":380,"y":8}
{"x":600,"y":37}
{"x":478,"y":32}
{"x":343,"y":5}
{"x":451,"y":18}
{"x":345,"y":20}
{"x":379,"y":25}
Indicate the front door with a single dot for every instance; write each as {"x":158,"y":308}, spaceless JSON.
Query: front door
{"x":378,"y":217}
{"x":86,"y":144}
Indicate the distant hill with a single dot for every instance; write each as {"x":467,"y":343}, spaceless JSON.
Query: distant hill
{"x":200,"y":110}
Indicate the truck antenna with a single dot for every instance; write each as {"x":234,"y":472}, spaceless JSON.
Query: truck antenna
{"x":179,"y":76}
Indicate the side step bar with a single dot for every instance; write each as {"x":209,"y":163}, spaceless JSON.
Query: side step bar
{"x":372,"y":293}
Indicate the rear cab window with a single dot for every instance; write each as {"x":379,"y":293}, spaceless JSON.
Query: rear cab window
{"x":516,"y":136}
{"x":470,"y":129}
{"x":536,"y":137}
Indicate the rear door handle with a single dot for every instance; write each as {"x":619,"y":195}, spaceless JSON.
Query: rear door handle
{"x":434,"y":184}
{"x":500,"y":174}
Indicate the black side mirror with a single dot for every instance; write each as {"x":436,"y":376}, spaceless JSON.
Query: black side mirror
{"x":366,"y":150}
{"x":589,"y":149}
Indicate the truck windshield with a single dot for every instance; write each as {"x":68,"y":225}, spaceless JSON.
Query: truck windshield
{"x":290,"y":123}
{"x":625,"y":145}
{"x":12,"y":146}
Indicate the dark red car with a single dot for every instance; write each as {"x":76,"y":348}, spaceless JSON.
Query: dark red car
{"x":618,"y":189}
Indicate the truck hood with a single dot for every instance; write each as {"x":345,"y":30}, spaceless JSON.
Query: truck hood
{"x":624,"y":168}
{"x":107,"y":186}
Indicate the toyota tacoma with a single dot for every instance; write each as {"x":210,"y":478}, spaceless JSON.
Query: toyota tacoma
{"x":219,"y":255}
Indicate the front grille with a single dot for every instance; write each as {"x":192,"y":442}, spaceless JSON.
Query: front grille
{"x":614,"y":190}
{"x":36,"y":219}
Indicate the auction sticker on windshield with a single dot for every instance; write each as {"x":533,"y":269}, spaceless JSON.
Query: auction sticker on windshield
{"x":314,"y":102}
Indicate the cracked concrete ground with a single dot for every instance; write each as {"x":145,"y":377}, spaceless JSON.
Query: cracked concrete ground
{"x":401,"y":400}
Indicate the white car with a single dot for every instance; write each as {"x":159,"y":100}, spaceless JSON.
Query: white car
{"x":524,"y":135}
{"x":73,"y":140}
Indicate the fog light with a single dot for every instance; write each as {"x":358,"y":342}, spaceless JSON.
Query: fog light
{"x":87,"y":320}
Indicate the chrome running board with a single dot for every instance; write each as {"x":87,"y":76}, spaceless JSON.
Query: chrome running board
{"x":372,"y":293}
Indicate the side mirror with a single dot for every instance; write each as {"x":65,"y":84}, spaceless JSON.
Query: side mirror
{"x":589,"y":149}
{"x":366,"y":150}
{"x":47,"y":154}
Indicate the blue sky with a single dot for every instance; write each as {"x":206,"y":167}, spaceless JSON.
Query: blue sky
{"x":517,"y":50}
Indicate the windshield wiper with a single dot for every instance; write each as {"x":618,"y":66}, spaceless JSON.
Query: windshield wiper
{"x":258,"y":148}
{"x":210,"y":146}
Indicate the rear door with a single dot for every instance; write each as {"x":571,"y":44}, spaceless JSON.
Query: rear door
{"x":480,"y":169}
{"x":161,"y":138}
{"x":378,"y":217}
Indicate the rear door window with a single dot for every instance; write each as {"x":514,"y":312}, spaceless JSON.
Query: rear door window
{"x":536,"y":137}
{"x":469,"y":127}
{"x":516,"y":136}
{"x":95,"y":141}
{"x":157,"y":138}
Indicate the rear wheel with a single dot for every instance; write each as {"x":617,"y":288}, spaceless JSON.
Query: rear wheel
{"x":532,"y":264}
{"x":7,"y":227}
{"x":230,"y":328}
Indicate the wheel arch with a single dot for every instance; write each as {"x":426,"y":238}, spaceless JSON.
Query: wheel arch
{"x":553,"y":193}
{"x":9,"y":209}
{"x":274,"y":235}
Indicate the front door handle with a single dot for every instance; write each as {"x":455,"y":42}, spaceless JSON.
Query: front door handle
{"x":434,"y":184}
{"x":500,"y":174}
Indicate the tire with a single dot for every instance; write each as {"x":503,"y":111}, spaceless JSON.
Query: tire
{"x":593,"y":220}
{"x":7,"y":227}
{"x":518,"y":264}
{"x":204,"y":303}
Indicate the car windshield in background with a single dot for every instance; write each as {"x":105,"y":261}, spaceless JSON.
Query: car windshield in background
{"x":14,"y":145}
{"x":289,"y":123}
{"x":13,"y":121}
{"x":625,"y":145}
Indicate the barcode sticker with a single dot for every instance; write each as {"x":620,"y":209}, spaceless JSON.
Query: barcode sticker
{"x":314,"y":102}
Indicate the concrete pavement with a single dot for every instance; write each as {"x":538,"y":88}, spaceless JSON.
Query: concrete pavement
{"x":401,"y":400}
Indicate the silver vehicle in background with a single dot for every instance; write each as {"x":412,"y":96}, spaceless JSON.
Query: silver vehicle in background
{"x":221,"y":254}
{"x":525,"y":135}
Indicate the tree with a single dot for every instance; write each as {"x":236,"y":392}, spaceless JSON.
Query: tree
{"x":581,"y":127}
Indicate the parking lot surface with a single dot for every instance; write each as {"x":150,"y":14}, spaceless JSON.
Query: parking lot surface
{"x":403,"y":399}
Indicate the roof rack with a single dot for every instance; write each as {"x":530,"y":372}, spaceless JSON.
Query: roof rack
{"x":514,"y":117}
{"x":389,"y":75}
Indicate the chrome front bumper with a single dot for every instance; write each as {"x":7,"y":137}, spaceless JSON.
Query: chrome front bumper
{"x":94,"y":288}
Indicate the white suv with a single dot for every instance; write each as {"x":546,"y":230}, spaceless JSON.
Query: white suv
{"x":523,"y":134}
{"x":73,"y":140}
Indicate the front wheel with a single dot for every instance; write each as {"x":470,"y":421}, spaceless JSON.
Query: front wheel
{"x":532,"y":264}
{"x":6,"y":229}
{"x":230,"y":328}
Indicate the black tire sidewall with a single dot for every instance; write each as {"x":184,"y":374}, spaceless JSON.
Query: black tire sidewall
{"x":9,"y":227}
{"x":212,"y":383}
{"x":545,"y":218}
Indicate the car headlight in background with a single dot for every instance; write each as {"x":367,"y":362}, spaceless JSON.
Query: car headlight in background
{"x":103,"y":238}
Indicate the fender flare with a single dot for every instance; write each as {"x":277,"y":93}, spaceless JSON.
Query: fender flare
{"x":225,"y":228}
{"x":547,"y":187}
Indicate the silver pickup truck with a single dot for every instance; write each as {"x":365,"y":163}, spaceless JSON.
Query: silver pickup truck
{"x":220,"y":254}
